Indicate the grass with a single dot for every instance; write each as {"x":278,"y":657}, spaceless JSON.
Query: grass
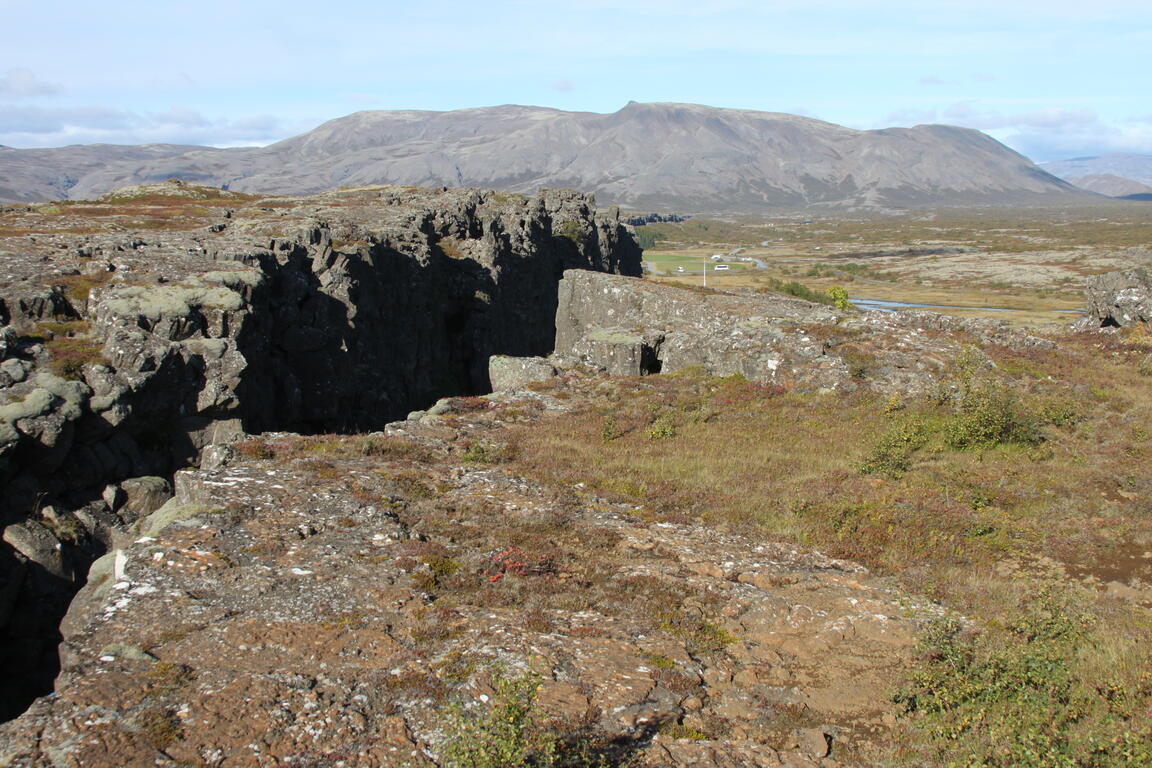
{"x":1031,"y":262}
{"x":71,"y":347}
{"x":1032,"y":458}
{"x":190,"y":207}
{"x":79,"y":287}
{"x":1017,"y":698}
{"x":333,"y":446}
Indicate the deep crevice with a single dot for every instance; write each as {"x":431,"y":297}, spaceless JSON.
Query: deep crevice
{"x":335,"y":341}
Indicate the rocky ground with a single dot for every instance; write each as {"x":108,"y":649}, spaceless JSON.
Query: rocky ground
{"x":202,"y":397}
{"x":140,"y":329}
{"x":327,"y":601}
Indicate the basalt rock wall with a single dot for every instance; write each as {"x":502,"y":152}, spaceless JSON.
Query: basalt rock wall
{"x":327,"y":314}
{"x":635,"y":327}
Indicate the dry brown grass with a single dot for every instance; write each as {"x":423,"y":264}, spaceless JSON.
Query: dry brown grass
{"x":973,"y":528}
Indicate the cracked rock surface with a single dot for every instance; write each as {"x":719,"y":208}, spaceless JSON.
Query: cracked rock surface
{"x":327,"y":600}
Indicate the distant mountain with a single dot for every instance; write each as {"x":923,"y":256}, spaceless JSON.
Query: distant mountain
{"x":647,"y":156}
{"x":1127,"y":165}
{"x":28,"y":175}
{"x":1112,"y":185}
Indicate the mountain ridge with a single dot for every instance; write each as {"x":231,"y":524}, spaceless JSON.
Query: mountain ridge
{"x":1112,"y":185}
{"x":1129,"y":165}
{"x":645,"y":155}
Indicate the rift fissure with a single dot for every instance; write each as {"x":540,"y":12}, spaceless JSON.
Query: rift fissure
{"x":379,"y":304}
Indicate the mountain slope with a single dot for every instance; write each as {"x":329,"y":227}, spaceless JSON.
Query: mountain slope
{"x":1112,"y":185}
{"x":27,"y":175}
{"x":1128,"y":165}
{"x":679,"y":156}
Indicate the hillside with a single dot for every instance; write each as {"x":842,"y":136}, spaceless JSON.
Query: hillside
{"x":1113,"y":186}
{"x":668,"y":156}
{"x":1137,"y":167}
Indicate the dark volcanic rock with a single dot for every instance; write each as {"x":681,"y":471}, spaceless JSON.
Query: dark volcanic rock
{"x":127,"y":354}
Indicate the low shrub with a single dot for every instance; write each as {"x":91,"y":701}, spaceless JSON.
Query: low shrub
{"x":1017,"y":696}
{"x":892,"y":454}
{"x":991,"y":414}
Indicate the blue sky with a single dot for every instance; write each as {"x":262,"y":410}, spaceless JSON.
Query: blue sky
{"x":1052,"y":79}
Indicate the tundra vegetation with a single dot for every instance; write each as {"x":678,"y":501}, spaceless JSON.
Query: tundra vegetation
{"x":1014,"y":495}
{"x":1032,"y":262}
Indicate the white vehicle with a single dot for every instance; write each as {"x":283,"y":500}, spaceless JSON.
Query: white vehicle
{"x":679,"y":269}
{"x":720,"y":267}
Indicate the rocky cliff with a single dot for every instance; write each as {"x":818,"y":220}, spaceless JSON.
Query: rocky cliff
{"x":142,"y":329}
{"x":633,"y":327}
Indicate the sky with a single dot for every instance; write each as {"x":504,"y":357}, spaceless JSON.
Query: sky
{"x":1052,"y":79}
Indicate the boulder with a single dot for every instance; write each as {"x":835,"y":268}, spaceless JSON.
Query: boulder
{"x":37,"y":544}
{"x":142,"y":497}
{"x":1118,"y":299}
{"x":507,"y":373}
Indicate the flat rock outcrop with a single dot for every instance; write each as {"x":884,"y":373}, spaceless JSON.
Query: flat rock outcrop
{"x":335,"y":600}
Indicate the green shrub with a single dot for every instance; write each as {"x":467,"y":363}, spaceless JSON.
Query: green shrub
{"x":1015,"y":697}
{"x":571,"y":231}
{"x":661,"y":429}
{"x":508,"y":734}
{"x":799,"y":290}
{"x":482,"y":452}
{"x":990,"y":414}
{"x":647,"y":239}
{"x":892,"y":454}
{"x":839,"y":297}
{"x":611,"y":429}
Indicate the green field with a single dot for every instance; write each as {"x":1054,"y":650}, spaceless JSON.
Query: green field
{"x":1034,"y":262}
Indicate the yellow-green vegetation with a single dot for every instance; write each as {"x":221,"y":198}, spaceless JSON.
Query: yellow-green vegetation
{"x":998,"y":495}
{"x":835,"y":296}
{"x":1039,"y":691}
{"x":166,"y":677}
{"x":79,"y":287}
{"x":511,"y":731}
{"x":571,"y":231}
{"x":160,"y":727}
{"x":335,"y":446}
{"x":976,"y":262}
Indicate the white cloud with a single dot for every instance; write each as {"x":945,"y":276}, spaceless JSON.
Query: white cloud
{"x":20,"y":83}
{"x":1049,"y":118}
{"x":31,"y":126}
{"x":46,"y":120}
{"x":1046,"y":133}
